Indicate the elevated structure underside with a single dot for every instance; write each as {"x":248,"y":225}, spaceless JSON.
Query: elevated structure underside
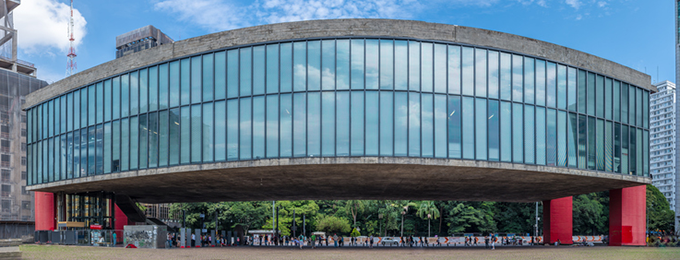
{"x":349,"y":178}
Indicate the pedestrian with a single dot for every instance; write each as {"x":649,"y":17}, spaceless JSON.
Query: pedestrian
{"x":169,"y":240}
{"x":371,"y":241}
{"x":313,"y":241}
{"x":114,"y":238}
{"x":193,"y":240}
{"x":476,"y":240}
{"x":335,"y":240}
{"x":493,"y":242}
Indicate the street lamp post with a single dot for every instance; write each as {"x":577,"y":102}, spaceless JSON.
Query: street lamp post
{"x":402,"y":222}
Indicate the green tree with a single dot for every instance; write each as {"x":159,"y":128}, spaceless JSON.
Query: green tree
{"x":472,"y":217}
{"x":332,"y":224}
{"x":658,"y":210}
{"x":354,"y":207}
{"x":355,"y":233}
{"x":591,"y":213}
{"x":428,"y":210}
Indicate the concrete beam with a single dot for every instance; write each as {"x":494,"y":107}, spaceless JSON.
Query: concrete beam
{"x":349,"y":178}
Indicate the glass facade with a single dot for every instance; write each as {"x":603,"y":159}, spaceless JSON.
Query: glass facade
{"x":342,"y":97}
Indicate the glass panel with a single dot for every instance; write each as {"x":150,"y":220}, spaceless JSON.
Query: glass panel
{"x":245,"y":129}
{"x":561,"y":87}
{"x":562,"y":138}
{"x":314,"y":124}
{"x":372,"y":59}
{"x":115,"y":161}
{"x":62,"y":153}
{"x":106,"y":152}
{"x":551,"y":122}
{"x":592,"y":152}
{"x":71,"y":148}
{"x":232,"y":130}
{"x":591,"y":94}
{"x":608,"y":98}
{"x":506,"y":136}
{"x":343,"y":124}
{"x":517,"y":75}
{"x":208,"y":77}
{"x":144,"y":90}
{"x":125,"y":96}
{"x":220,"y":78}
{"x":286,"y":125}
{"x":572,"y":140}
{"x":91,"y":108}
{"x":632,"y":111}
{"x":134,"y":143}
{"x":540,"y":82}
{"x":196,"y":75}
{"x":75,"y":115}
{"x":163,"y":86}
{"x":272,"y":68}
{"x":232,"y":74}
{"x":258,"y":70}
{"x":357,"y":64}
{"x":153,"y":139}
{"x":624,"y":150}
{"x":440,"y":149}
{"x":599,"y":95}
{"x":529,"y":80}
{"x":582,"y":139}
{"x":529,"y":147}
{"x":328,"y":123}
{"x":299,"y":66}
{"x":414,"y":125}
{"x":468,"y":116}
{"x":245,"y":72}
{"x":551,"y":84}
{"x":300,"y":124}
{"x":401,"y":106}
{"x":454,"y":69}
{"x":372,"y":123}
{"x":638,"y":153}
{"x":342,"y":69}
{"x":608,"y":146}
{"x":313,"y":65}
{"x":208,"y":134}
{"x":427,"y":125}
{"x":174,"y":123}
{"x":124,"y":146}
{"x":414,"y":65}
{"x":143,"y":129}
{"x":134,"y":94}
{"x":540,"y":136}
{"x":517,"y":133}
{"x":645,"y":112}
{"x":69,"y":115}
{"x":617,"y":148}
{"x":220,"y":129}
{"x":624,"y":103}
{"x":328,"y":65}
{"x":493,"y":74}
{"x":506,"y":76}
{"x":272,"y":126}
{"x":582,"y":92}
{"x":645,"y":154}
{"x":153,"y":88}
{"x":494,"y":130}
{"x":571,"y":89}
{"x":427,"y":69}
{"x":480,"y":72}
{"x":638,"y":112}
{"x":258,"y":128}
{"x":480,"y":125}
{"x":185,"y":83}
{"x":617,"y":101}
{"x":632,"y":156}
{"x":468,"y":74}
{"x":357,"y":123}
{"x":439,"y":68}
{"x":185,"y":133}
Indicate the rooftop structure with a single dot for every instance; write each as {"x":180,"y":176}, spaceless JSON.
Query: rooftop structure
{"x":140,"y":39}
{"x":8,"y":42}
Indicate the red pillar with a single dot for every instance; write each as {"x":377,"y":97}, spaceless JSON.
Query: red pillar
{"x":627,"y":214}
{"x":45,"y":214}
{"x":557,"y":220}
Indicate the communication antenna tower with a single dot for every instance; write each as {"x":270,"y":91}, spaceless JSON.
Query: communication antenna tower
{"x":71,"y":66}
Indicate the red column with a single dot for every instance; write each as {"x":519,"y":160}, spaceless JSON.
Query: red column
{"x":121,"y":219}
{"x":627,"y":213}
{"x":45,"y":214}
{"x":557,"y":220}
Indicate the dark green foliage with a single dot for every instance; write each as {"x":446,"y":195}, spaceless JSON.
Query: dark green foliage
{"x":659,"y":214}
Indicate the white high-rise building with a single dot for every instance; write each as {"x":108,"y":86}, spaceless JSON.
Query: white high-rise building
{"x":662,"y":142}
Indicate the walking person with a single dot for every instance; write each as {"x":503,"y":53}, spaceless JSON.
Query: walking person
{"x":335,"y":240}
{"x":493,"y":242}
{"x":313,"y":241}
{"x":371,"y":241}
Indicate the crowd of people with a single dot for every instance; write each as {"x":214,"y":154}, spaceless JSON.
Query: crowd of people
{"x":662,"y":239}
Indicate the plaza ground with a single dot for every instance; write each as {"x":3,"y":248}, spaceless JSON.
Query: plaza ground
{"x":539,"y":252}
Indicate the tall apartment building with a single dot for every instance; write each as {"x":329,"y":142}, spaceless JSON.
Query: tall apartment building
{"x":662,"y":141}
{"x":17,"y":79}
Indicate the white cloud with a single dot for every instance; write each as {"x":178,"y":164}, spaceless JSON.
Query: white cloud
{"x":43,"y":27}
{"x":601,"y":3}
{"x":219,"y":15}
{"x":573,"y":3}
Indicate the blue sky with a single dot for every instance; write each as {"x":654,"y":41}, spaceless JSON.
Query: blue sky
{"x":638,"y":34}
